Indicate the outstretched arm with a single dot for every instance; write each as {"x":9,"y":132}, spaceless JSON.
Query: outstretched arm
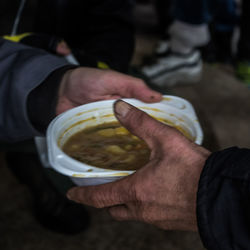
{"x":36,"y":86}
{"x":164,"y":192}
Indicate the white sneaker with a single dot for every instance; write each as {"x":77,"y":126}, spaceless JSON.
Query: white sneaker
{"x":162,"y":47}
{"x":175,"y":68}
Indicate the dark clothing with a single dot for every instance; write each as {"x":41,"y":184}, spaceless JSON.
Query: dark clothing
{"x":222,"y":12}
{"x":244,"y":41}
{"x":97,"y":30}
{"x":224,"y":15}
{"x":163,"y":10}
{"x":223,"y":201}
{"x":23,"y":69}
{"x":29,"y":77}
{"x":45,"y":107}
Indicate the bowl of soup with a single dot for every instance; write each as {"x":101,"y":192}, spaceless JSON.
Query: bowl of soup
{"x":89,"y":145}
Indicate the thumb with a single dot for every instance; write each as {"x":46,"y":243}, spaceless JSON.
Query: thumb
{"x":141,"y":124}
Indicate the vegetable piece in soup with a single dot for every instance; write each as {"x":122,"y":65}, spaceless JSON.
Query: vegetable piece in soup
{"x":108,"y":146}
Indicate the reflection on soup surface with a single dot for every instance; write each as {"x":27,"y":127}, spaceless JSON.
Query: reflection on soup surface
{"x":108,"y":146}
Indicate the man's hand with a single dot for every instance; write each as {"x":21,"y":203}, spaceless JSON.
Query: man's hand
{"x":163,"y":192}
{"x":84,"y":85}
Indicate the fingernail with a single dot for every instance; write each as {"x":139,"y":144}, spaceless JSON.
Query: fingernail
{"x":121,"y":108}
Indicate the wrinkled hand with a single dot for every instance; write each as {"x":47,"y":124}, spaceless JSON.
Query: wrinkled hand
{"x":163,"y":192}
{"x":84,"y":85}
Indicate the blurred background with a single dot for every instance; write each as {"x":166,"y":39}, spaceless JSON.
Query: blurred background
{"x":221,"y":101}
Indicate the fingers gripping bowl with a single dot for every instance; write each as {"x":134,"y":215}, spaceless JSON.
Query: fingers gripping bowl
{"x":172,"y":110}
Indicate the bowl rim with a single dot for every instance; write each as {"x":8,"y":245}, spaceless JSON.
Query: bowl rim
{"x":59,"y":161}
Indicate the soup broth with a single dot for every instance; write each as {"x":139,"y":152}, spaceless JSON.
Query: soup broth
{"x":108,"y":146}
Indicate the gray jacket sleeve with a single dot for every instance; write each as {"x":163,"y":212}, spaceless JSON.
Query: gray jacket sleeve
{"x":22,"y":69}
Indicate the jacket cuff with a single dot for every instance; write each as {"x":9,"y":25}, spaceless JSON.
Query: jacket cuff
{"x":223,"y":200}
{"x":41,"y":103}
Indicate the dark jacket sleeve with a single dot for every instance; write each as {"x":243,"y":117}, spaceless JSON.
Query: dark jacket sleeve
{"x":42,"y":101}
{"x":223,"y":201}
{"x":22,"y":69}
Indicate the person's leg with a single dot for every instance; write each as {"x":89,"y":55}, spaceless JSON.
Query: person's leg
{"x":189,"y":30}
{"x":197,"y":14}
{"x":225,"y":15}
{"x":222,"y":28}
{"x":244,"y":41}
{"x":51,"y":207}
{"x":192,"y":11}
{"x":243,"y":54}
{"x":163,"y":11}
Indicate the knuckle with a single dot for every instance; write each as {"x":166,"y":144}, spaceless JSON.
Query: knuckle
{"x":138,"y":194}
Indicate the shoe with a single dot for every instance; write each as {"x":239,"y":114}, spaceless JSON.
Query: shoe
{"x":51,"y":208}
{"x":174,"y":68}
{"x":243,"y":71}
{"x":162,"y":48}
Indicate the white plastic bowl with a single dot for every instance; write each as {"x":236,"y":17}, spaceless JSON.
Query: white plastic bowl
{"x":177,"y":110}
